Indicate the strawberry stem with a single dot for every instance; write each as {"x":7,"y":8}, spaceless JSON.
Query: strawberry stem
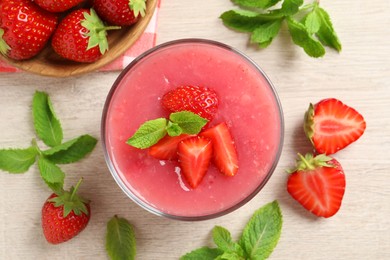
{"x":74,"y":191}
{"x":307,"y":164}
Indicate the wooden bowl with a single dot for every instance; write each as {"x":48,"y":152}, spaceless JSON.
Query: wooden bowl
{"x":48,"y":63}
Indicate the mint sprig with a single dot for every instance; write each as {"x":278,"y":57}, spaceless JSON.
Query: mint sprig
{"x":48,"y":129}
{"x":150,"y":132}
{"x":259,"y":238}
{"x":309,"y":25}
{"x":120,"y":239}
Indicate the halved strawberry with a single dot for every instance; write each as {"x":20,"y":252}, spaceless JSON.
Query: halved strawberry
{"x":224,"y":151}
{"x":318,"y":184}
{"x":202,"y":101}
{"x":166,"y":148}
{"x":331,"y":125}
{"x":194,"y":158}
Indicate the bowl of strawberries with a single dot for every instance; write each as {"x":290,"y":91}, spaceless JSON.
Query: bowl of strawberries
{"x":192,"y":129}
{"x":65,"y":38}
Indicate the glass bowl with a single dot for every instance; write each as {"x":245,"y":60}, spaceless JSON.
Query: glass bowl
{"x":248,"y":104}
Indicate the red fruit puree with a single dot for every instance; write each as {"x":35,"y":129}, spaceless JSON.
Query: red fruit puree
{"x":247,"y":103}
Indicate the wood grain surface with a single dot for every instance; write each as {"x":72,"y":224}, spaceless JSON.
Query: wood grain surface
{"x":359,"y":76}
{"x":49,"y":63}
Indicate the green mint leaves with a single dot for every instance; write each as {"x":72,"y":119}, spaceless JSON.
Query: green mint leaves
{"x":120,"y":239}
{"x":150,"y":132}
{"x":47,"y":126}
{"x":48,"y":129}
{"x":17,"y":160}
{"x":259,"y":238}
{"x":309,"y":25}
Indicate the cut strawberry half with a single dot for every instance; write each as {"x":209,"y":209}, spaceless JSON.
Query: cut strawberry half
{"x":318,"y":184}
{"x":224,"y":151}
{"x":194,"y":155}
{"x":331,"y":125}
{"x":202,"y":101}
{"x":166,"y":148}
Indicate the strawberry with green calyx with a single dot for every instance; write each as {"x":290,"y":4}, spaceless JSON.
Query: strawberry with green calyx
{"x":56,"y":6}
{"x":331,"y":125}
{"x":64,"y":215}
{"x":318,"y":184}
{"x":225,"y":155}
{"x":120,"y":12}
{"x":81,"y":36}
{"x":24,"y":29}
{"x":194,"y":155}
{"x":202,"y":101}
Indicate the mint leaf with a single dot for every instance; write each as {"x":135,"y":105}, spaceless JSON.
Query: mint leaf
{"x":17,"y":160}
{"x":312,"y":21}
{"x":262,"y":233}
{"x":246,"y":21}
{"x":230,"y":256}
{"x":303,"y":38}
{"x":46,"y":123}
{"x":291,"y":7}
{"x":204,"y":253}
{"x":326,"y":33}
{"x":256,"y":3}
{"x":174,"y":129}
{"x":120,"y":239}
{"x":265,"y":33}
{"x":189,"y":122}
{"x":223,"y":239}
{"x":71,"y":151}
{"x":51,"y":173}
{"x":149,"y":133}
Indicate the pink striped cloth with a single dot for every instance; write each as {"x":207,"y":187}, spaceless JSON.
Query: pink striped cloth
{"x":146,"y":41}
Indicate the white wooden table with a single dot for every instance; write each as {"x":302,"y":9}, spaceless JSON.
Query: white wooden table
{"x":359,"y":76}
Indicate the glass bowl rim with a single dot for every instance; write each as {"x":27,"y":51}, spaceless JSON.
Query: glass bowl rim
{"x":121,"y":183}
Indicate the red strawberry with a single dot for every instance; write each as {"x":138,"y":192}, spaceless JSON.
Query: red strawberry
{"x":24,"y":28}
{"x":81,"y":36}
{"x":331,"y":125}
{"x":224,"y":151}
{"x":166,"y":148}
{"x":64,"y":216}
{"x":56,"y":6}
{"x":202,"y":101}
{"x":120,"y":12}
{"x":194,"y":158}
{"x":318,"y":183}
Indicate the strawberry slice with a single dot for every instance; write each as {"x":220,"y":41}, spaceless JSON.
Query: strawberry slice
{"x":318,"y":183}
{"x":202,"y":101}
{"x":166,"y":148}
{"x":225,"y":154}
{"x":194,"y":158}
{"x":331,"y":125}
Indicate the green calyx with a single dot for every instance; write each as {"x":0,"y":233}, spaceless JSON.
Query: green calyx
{"x":138,"y":7}
{"x":311,"y":162}
{"x":97,"y":31}
{"x":308,"y":124}
{"x":4,"y":47}
{"x":71,"y":201}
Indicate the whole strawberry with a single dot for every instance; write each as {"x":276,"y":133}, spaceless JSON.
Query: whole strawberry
{"x":120,"y":12}
{"x":24,"y":28}
{"x":202,"y":101}
{"x":81,"y":36}
{"x":331,"y":125}
{"x":318,"y":184}
{"x":56,"y":6}
{"x":64,"y":216}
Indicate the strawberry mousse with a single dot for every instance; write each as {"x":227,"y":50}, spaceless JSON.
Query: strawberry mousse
{"x":247,"y":105}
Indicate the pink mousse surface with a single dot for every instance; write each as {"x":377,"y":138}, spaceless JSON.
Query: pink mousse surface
{"x":247,"y":104}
